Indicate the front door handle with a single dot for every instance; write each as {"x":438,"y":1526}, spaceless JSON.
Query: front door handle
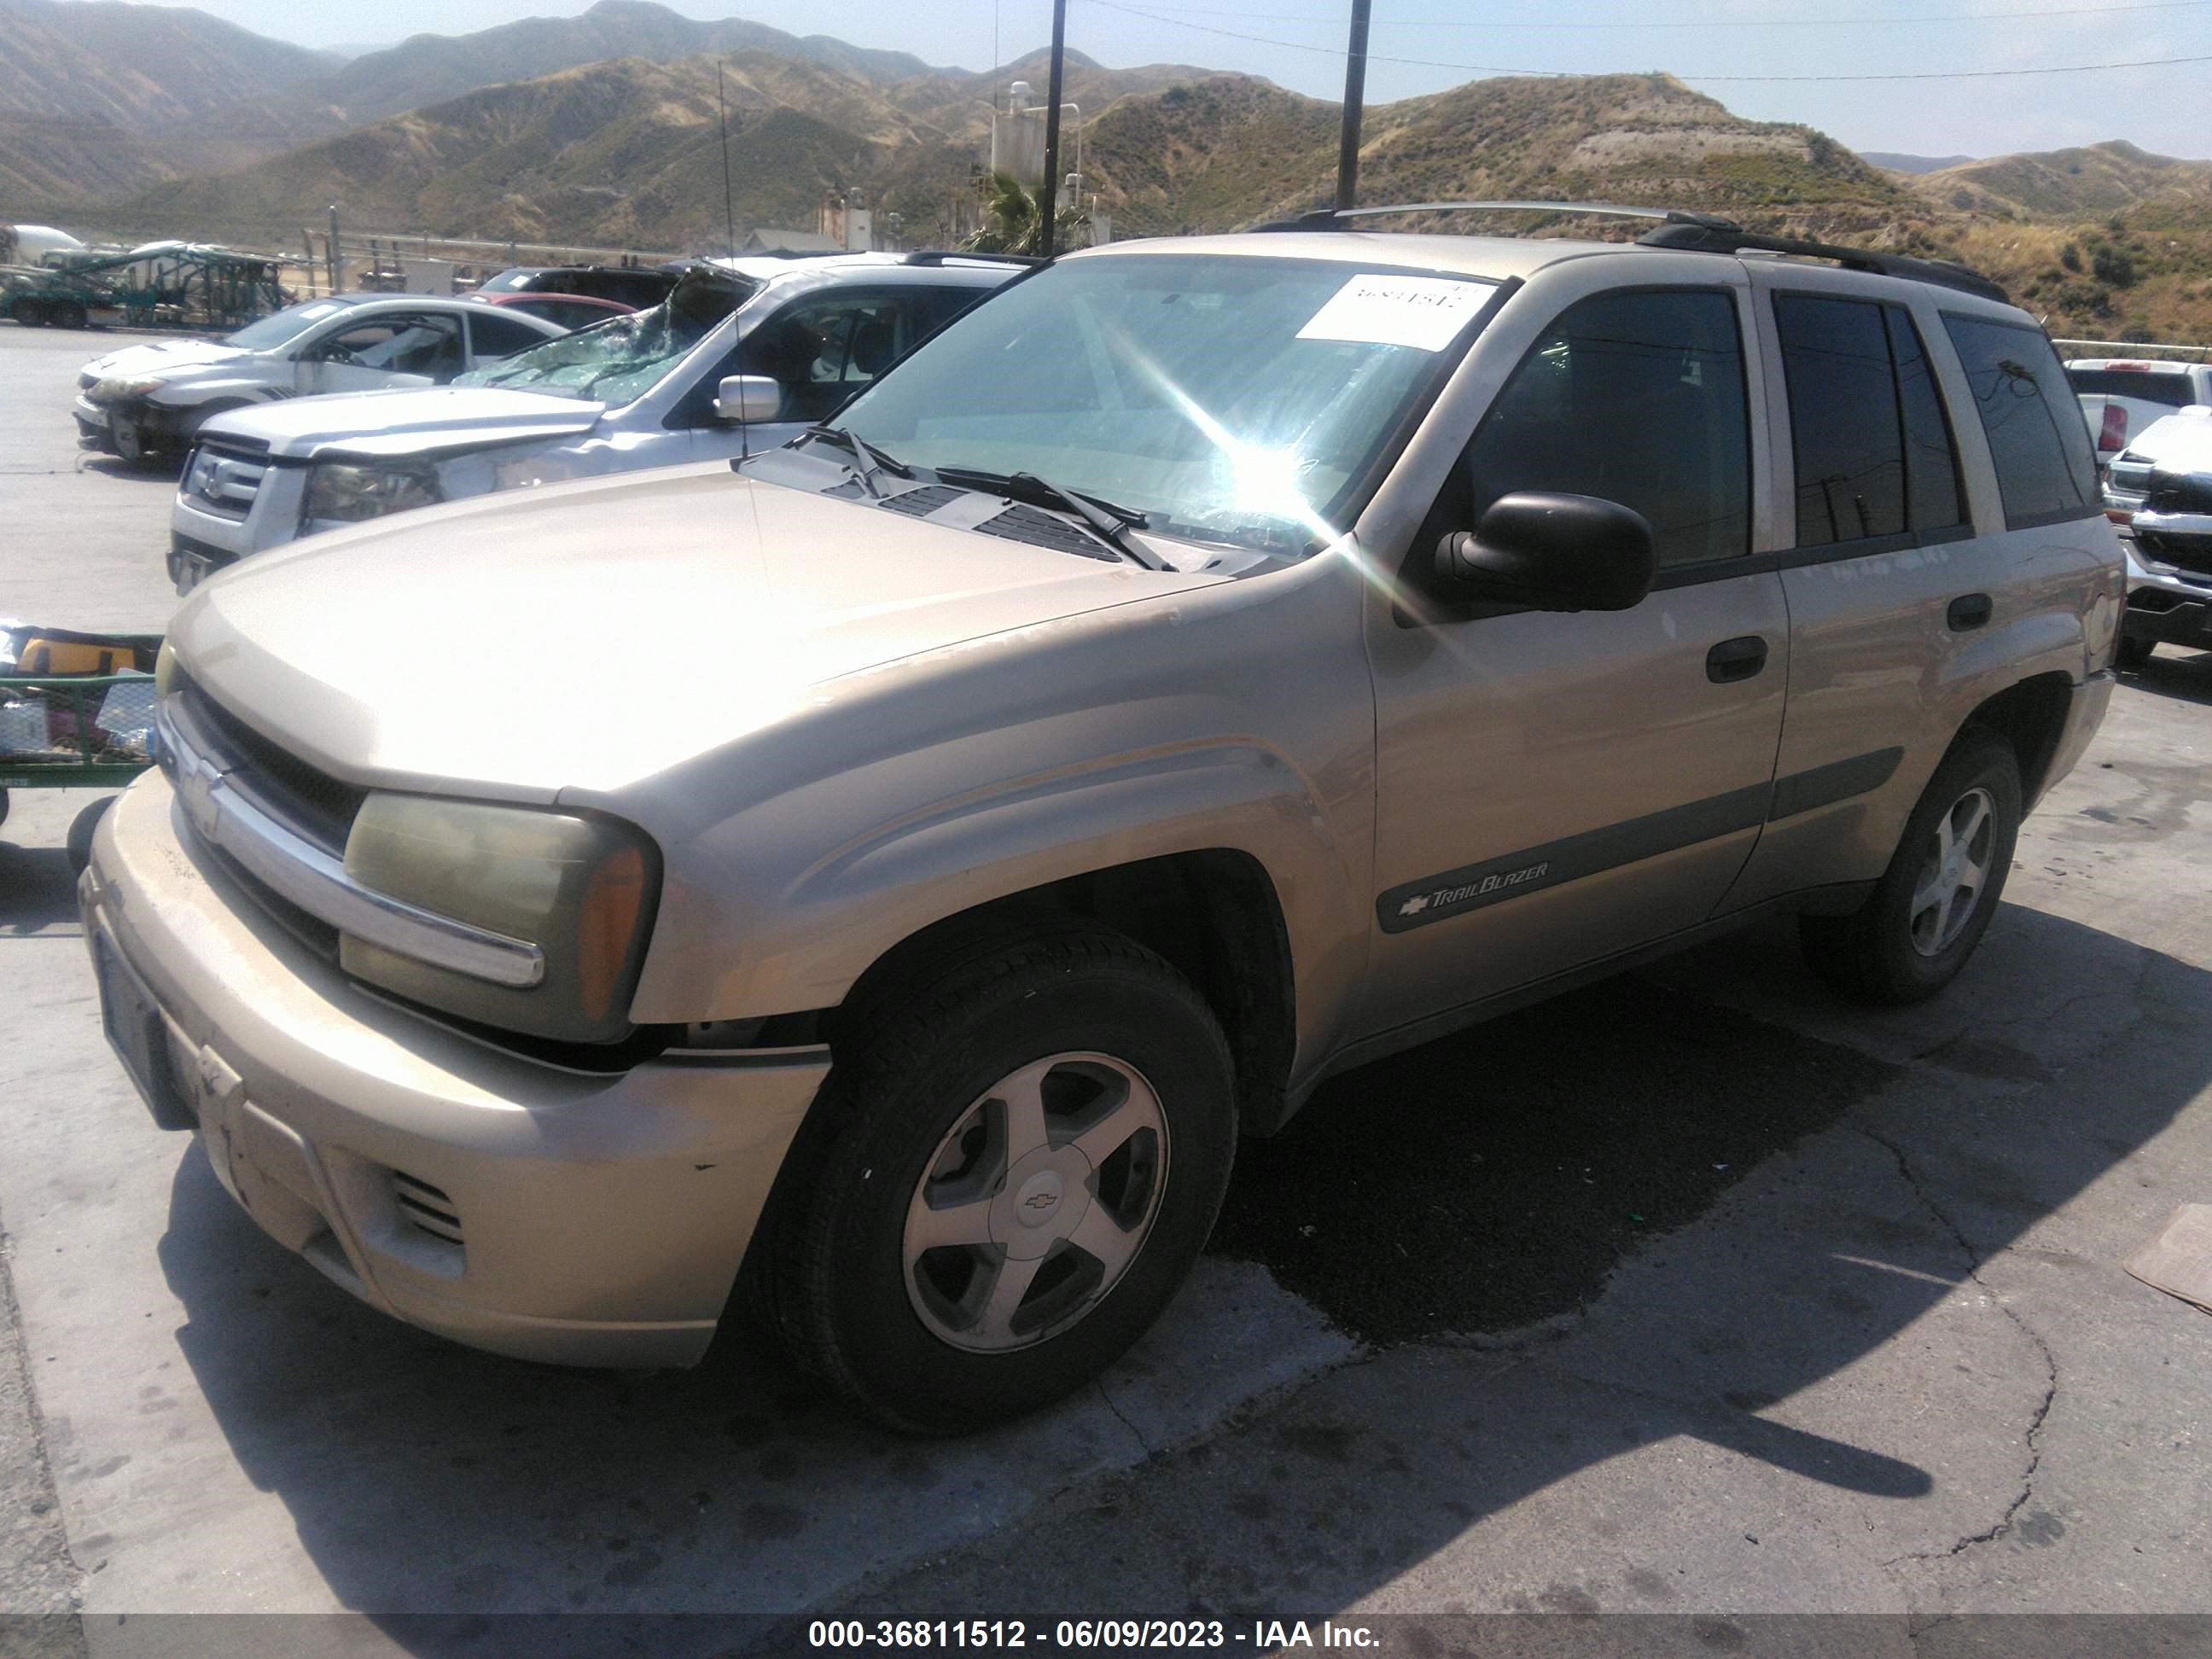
{"x":1735,"y":659}
{"x":1969,"y":611}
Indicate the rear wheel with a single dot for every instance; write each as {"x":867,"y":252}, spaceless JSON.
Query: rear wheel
{"x":1023,"y":1162}
{"x":1934,"y":903}
{"x":65,"y":314}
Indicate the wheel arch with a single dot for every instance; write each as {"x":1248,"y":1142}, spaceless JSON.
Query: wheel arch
{"x":1213,"y":914}
{"x":2030,"y":715}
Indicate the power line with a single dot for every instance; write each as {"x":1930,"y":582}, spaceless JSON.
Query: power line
{"x":1499,"y":69}
{"x":1175,"y":13}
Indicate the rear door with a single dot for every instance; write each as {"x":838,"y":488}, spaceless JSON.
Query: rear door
{"x":1555,"y":789}
{"x":493,"y":336}
{"x":1916,"y":585}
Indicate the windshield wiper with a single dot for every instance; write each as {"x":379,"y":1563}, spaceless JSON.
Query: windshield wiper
{"x":1109,"y":523}
{"x":871,"y":459}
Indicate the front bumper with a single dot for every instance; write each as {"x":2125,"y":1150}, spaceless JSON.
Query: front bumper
{"x":2169,"y":603}
{"x":159,"y":429}
{"x":516,"y":1207}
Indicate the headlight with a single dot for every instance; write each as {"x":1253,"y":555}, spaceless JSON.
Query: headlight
{"x":165,"y":670}
{"x":351,"y":491}
{"x":580,"y":889}
{"x":111,"y":390}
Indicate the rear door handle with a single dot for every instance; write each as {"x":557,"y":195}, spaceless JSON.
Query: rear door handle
{"x":1969,"y":611}
{"x":1737,"y":658}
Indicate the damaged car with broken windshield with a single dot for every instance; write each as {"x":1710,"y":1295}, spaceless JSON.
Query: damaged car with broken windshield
{"x":640,"y":390}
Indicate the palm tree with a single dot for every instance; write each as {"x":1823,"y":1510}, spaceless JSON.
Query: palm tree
{"x":1012,"y":221}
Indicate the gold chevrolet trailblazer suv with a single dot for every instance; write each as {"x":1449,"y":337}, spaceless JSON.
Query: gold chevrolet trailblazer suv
{"x":875,"y":882}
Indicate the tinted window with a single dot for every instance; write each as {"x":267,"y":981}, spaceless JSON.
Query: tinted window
{"x":2037,"y":440}
{"x":496,"y":336}
{"x":1931,"y":456}
{"x":2170,"y":387}
{"x":1637,"y":397}
{"x":1844,"y":427}
{"x":823,"y":350}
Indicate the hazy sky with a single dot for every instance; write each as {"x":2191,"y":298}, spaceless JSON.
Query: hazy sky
{"x":1301,"y":44}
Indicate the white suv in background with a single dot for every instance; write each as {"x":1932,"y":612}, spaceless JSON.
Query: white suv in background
{"x":642,"y":390}
{"x":146,"y":401}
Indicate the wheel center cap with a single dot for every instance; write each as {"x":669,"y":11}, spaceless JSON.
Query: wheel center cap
{"x":1038,"y":1201}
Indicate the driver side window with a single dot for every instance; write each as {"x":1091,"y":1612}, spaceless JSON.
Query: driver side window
{"x":822,"y":350}
{"x":402,"y":343}
{"x":1636,"y":396}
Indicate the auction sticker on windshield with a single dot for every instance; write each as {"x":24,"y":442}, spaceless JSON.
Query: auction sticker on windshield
{"x":1424,"y":311}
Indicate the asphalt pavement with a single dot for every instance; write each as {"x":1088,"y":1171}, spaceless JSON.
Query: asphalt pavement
{"x":1693,"y":1294}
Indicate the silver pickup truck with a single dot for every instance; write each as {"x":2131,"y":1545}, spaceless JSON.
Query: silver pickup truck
{"x":874,"y":884}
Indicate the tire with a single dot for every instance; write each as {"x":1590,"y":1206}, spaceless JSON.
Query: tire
{"x":31,"y":313}
{"x":1892,"y":951}
{"x":3,"y":806}
{"x":1117,"y":1055}
{"x":66,"y":314}
{"x":2133,"y":653}
{"x":81,"y":831}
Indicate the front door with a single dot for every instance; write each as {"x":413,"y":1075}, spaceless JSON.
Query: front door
{"x":1554,"y":789}
{"x":388,"y":348}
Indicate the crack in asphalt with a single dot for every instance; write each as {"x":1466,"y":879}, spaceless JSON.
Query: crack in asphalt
{"x":2037,"y":1417}
{"x":1135,"y":1433}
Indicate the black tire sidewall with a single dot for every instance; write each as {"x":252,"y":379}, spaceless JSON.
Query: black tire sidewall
{"x":1978,"y":762}
{"x":892,"y":1360}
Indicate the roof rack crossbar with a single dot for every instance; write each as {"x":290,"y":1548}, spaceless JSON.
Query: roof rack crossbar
{"x":1331,"y":218}
{"x":937,"y":255}
{"x":1713,"y":238}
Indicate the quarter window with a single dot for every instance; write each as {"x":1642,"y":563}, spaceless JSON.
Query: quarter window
{"x":2037,"y":440}
{"x":1636,"y":396}
{"x":1873,"y":453}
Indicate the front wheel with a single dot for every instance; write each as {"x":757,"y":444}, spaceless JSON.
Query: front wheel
{"x":1934,"y":903}
{"x":1025,"y":1161}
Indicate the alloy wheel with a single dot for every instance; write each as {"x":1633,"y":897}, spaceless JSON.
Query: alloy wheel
{"x":1036,"y":1202}
{"x":1955,"y":872}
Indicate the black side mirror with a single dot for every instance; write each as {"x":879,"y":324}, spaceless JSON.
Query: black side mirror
{"x":1550,"y":552}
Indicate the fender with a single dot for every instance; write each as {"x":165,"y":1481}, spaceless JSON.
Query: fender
{"x":809,"y":945}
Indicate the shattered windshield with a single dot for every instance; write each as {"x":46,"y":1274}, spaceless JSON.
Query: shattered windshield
{"x":622,"y":359}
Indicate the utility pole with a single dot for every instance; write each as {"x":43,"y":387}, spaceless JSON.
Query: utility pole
{"x":1355,"y":97}
{"x":729,"y":203}
{"x":331,"y":248}
{"x":1048,"y":200}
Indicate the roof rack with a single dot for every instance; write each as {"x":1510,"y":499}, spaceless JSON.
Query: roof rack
{"x":1721,"y":237}
{"x":937,"y":255}
{"x":1332,"y":218}
{"x":1686,"y":232}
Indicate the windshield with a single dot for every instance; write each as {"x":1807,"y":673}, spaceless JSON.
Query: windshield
{"x":1236,"y":399}
{"x":280,"y":327}
{"x":620,"y":359}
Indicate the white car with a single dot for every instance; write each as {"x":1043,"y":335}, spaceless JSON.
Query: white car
{"x":2160,"y":487}
{"x":642,"y":390}
{"x":2120,"y":397}
{"x":149,"y":400}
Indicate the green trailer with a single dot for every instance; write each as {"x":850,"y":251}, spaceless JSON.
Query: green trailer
{"x":172,"y":284}
{"x":77,"y":731}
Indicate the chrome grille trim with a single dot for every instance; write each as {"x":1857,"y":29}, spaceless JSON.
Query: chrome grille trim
{"x":304,"y":873}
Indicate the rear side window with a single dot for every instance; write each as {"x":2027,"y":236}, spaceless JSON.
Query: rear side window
{"x":2037,"y":440}
{"x":1636,"y":396}
{"x":501,"y":337}
{"x":1874,"y":456}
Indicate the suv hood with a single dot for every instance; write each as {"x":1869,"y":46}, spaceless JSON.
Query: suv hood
{"x":165,"y":357}
{"x":588,"y":635}
{"x":406,"y":422}
{"x":2179,"y":443}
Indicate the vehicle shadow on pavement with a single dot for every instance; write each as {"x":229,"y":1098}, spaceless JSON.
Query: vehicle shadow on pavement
{"x":1596,"y":1168}
{"x":2187,"y":679}
{"x":38,"y":889}
{"x":165,"y":471}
